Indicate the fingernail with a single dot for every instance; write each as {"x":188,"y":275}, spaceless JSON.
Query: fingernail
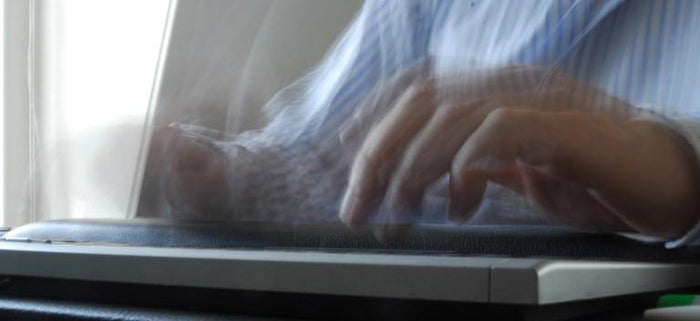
{"x":347,"y":210}
{"x":344,"y":216}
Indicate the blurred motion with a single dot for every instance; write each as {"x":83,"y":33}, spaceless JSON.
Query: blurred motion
{"x":578,"y":113}
{"x":349,"y":159}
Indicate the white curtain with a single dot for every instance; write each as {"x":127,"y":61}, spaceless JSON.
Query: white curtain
{"x":88,"y":68}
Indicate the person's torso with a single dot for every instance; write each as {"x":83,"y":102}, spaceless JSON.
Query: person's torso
{"x":646,"y":51}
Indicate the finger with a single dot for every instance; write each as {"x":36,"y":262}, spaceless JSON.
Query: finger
{"x":431,"y":152}
{"x":428,"y":157}
{"x":445,"y":133}
{"x":458,"y":87}
{"x":380,"y":100}
{"x":537,"y":138}
{"x":567,"y":203}
{"x":356,"y":202}
{"x":378,"y":155}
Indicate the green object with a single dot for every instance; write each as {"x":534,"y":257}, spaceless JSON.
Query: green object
{"x":675,"y":300}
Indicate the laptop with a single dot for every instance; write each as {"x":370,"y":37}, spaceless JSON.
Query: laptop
{"x":510,"y":271}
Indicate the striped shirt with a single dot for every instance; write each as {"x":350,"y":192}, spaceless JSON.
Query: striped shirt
{"x":645,"y":51}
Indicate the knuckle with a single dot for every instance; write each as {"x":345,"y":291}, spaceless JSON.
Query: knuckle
{"x":421,"y":89}
{"x":503,"y":116}
{"x":449,"y":113}
{"x":369,"y":159}
{"x":457,"y":180}
{"x":500,"y":115}
{"x":457,"y":170}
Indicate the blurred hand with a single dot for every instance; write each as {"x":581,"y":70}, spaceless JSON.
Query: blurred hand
{"x":583,"y":156}
{"x":194,"y":183}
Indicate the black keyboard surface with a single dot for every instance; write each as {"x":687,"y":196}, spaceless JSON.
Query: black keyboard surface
{"x":495,"y":240}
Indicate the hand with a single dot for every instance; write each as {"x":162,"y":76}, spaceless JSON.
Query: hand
{"x":579,"y":153}
{"x":193,"y":181}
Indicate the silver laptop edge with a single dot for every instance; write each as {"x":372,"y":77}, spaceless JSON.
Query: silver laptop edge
{"x":446,"y":278}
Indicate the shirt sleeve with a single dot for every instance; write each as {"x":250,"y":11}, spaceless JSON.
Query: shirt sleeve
{"x":386,"y":37}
